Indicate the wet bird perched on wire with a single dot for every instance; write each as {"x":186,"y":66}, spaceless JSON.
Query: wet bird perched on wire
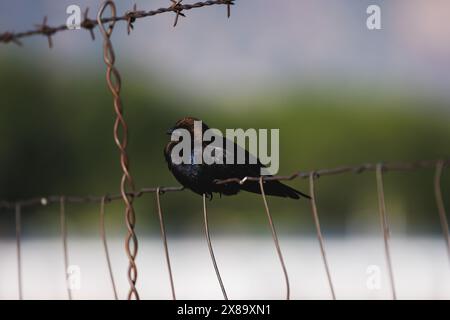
{"x":202,"y":178}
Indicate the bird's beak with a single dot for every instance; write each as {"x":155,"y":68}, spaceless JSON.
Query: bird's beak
{"x":170,"y":131}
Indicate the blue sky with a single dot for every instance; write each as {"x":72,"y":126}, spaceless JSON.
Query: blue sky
{"x":265,"y":43}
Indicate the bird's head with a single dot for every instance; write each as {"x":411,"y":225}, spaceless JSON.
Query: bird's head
{"x":187,"y":123}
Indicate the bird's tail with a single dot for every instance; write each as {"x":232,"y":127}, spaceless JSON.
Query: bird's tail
{"x":275,"y":188}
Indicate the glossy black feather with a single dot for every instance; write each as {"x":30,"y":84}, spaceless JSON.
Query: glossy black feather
{"x":201,"y":178}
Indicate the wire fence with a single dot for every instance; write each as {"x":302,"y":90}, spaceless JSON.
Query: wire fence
{"x":380,"y":169}
{"x":127,"y":190}
{"x":129,"y":17}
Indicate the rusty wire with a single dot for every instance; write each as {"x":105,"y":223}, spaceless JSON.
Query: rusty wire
{"x":357,"y":169}
{"x":385,"y":226}
{"x":275,"y":238}
{"x":121,"y":139}
{"x":18,"y":213}
{"x":393,"y":166}
{"x":62,"y":215}
{"x":54,"y":199}
{"x":319,"y":232}
{"x":440,"y":204}
{"x":164,"y":239}
{"x":105,"y":246}
{"x":438,"y":165}
{"x":211,"y":251}
{"x":129,"y":17}
{"x":176,"y":5}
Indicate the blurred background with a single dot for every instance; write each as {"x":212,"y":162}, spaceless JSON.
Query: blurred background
{"x":339,"y":93}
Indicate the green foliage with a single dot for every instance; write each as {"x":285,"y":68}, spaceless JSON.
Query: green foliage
{"x":56,"y":138}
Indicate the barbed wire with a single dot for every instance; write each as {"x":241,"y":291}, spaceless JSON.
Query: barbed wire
{"x":129,"y":17}
{"x":127,"y":190}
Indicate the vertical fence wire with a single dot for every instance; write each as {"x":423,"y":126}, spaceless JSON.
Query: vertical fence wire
{"x":62,"y":215}
{"x":440,"y":204}
{"x":211,"y":251}
{"x":18,"y":249}
{"x":319,"y":232}
{"x":105,"y":246}
{"x":275,"y":239}
{"x":164,"y":240}
{"x":121,"y":139}
{"x":385,"y":226}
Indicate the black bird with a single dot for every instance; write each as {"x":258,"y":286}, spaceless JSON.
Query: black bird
{"x":202,"y":178}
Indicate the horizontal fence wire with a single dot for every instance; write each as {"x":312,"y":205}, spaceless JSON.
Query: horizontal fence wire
{"x":129,"y":17}
{"x":356,"y":169}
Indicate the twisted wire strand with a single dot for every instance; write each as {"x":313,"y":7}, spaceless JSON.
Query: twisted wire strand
{"x":275,"y":239}
{"x":121,"y":139}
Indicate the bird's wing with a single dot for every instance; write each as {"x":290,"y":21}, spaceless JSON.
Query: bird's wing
{"x":221,"y":169}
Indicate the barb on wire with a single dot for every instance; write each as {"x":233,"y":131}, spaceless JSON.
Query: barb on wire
{"x":62,"y":214}
{"x":440,"y":204}
{"x":46,"y":31}
{"x":229,"y":4}
{"x":88,"y":24}
{"x":319,"y":232}
{"x":105,"y":245}
{"x":7,"y":37}
{"x":130,"y":17}
{"x":275,"y":238}
{"x":177,"y":7}
{"x":18,"y":249}
{"x":211,"y":251}
{"x":121,"y":139}
{"x":164,"y":239}
{"x":385,"y":225}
